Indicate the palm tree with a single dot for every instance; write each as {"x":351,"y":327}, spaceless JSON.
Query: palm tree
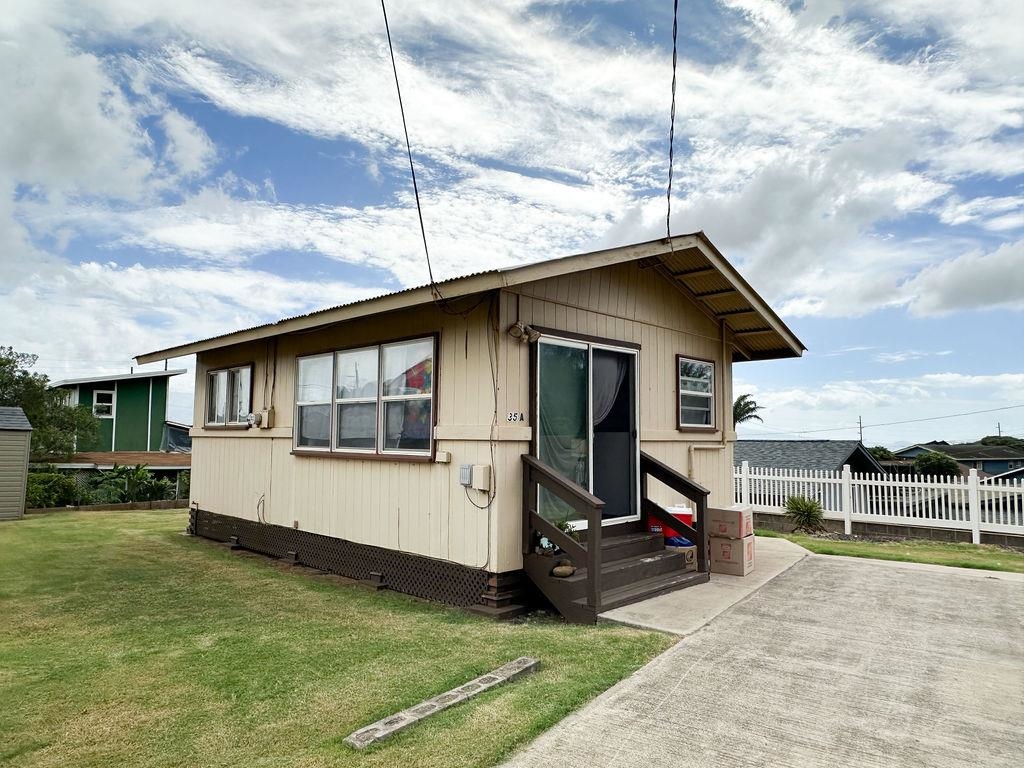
{"x":745,"y":409}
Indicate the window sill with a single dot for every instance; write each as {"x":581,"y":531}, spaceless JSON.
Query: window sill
{"x":696,"y":429}
{"x":426,"y":458}
{"x":225,"y":426}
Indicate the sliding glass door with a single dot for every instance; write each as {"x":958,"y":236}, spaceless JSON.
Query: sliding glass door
{"x":587,"y":425}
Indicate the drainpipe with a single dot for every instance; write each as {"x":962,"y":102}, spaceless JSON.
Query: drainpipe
{"x":722,"y":415}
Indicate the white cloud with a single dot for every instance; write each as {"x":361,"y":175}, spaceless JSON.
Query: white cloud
{"x":995,"y":213}
{"x":974,"y":280}
{"x":68,"y":128}
{"x":903,"y":356}
{"x":189,"y":149}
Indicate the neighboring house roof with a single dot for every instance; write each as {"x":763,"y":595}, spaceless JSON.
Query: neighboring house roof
{"x":970,"y":451}
{"x":107,"y":459}
{"x":1013,"y":474}
{"x":117,"y":377}
{"x":13,"y":419}
{"x":818,"y":455}
{"x":691,"y":262}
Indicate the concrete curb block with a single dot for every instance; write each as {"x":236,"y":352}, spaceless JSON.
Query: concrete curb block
{"x":392,"y":724}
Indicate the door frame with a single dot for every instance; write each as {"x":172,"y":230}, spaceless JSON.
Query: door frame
{"x":577,"y":341}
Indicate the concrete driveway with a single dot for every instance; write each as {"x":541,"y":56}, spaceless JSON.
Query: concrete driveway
{"x":835,"y":662}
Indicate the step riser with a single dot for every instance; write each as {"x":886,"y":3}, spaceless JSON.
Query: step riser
{"x":639,"y":570}
{"x":697,"y":578}
{"x":614,"y":574}
{"x":633,"y":548}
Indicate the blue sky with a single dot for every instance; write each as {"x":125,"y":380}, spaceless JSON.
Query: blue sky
{"x":174,"y":171}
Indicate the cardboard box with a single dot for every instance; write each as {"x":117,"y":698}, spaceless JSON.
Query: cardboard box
{"x":732,"y":556}
{"x":736,"y":522}
{"x":689,"y":557}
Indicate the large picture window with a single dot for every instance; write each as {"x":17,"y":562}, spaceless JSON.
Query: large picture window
{"x":229,"y":396}
{"x":696,"y":393}
{"x":377,"y":399}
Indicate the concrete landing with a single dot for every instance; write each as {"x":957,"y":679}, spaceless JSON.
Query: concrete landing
{"x":684,"y":612}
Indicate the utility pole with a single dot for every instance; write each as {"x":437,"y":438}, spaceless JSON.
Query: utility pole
{"x":860,"y":426}
{"x":999,"y":429}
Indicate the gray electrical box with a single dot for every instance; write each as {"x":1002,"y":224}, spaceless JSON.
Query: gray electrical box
{"x":466,"y":474}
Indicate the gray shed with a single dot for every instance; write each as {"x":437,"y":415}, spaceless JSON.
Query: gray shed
{"x":15,"y":439}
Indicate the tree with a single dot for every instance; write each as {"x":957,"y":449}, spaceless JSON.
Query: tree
{"x":1005,"y":440}
{"x":745,"y":409}
{"x":55,"y":423}
{"x":935,"y":463}
{"x":882,"y":453}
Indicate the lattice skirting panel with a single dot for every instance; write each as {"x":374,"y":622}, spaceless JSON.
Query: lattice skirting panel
{"x":439,"y":580}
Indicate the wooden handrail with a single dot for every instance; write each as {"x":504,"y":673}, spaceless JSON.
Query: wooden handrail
{"x":695,"y":492}
{"x":576,"y":496}
{"x":537,"y":473}
{"x":670,"y":477}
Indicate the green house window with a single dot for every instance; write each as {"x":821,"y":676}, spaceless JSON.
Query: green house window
{"x":103,"y":401}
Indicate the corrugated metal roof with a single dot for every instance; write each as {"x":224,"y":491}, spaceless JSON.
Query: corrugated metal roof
{"x":691,"y":262}
{"x":13,"y":419}
{"x":117,"y":377}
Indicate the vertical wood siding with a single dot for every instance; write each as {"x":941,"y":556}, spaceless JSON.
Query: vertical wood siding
{"x":14,"y":450}
{"x":420,"y":507}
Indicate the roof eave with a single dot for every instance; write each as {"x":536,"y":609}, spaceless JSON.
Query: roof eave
{"x":495,"y":280}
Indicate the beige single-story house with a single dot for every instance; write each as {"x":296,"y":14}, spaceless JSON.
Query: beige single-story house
{"x":442,"y":440}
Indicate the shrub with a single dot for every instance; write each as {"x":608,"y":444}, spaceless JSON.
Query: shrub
{"x":934,"y":463}
{"x":184,"y":484}
{"x":54,"y":489}
{"x":127,"y":484}
{"x":805,"y":514}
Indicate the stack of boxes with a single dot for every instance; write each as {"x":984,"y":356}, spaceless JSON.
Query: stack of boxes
{"x":731,"y":533}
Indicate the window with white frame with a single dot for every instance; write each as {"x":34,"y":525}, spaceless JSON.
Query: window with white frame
{"x":229,"y":396}
{"x":696,"y":393}
{"x":103,"y":403}
{"x":376,"y":399}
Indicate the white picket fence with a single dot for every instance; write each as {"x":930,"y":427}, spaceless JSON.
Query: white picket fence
{"x":993,"y":506}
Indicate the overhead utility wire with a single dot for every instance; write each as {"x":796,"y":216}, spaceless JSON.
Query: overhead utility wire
{"x":408,"y":148}
{"x":908,"y":421}
{"x":672,"y":123}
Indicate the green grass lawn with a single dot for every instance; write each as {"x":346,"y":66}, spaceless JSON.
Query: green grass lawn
{"x":125,"y":643}
{"x":961,"y":555}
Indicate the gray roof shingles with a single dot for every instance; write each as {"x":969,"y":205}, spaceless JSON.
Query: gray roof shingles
{"x":827,"y":455}
{"x":13,"y":419}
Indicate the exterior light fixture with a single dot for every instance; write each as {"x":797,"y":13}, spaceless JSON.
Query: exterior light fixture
{"x":522,"y":332}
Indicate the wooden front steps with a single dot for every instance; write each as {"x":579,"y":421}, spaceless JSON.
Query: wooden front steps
{"x":634,"y":566}
{"x":615,"y":564}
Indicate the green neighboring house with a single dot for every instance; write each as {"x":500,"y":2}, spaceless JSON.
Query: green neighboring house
{"x":131,"y":407}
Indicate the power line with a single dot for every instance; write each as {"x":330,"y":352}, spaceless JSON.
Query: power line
{"x":408,"y":149}
{"x":908,"y":421}
{"x":672,"y":122}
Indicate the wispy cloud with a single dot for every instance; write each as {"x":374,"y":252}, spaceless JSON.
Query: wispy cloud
{"x":903,"y":356}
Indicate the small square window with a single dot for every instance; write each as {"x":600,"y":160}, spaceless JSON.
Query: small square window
{"x":103,"y":404}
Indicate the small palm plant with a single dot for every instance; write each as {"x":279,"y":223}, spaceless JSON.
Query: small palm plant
{"x":745,"y":409}
{"x":805,"y":514}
